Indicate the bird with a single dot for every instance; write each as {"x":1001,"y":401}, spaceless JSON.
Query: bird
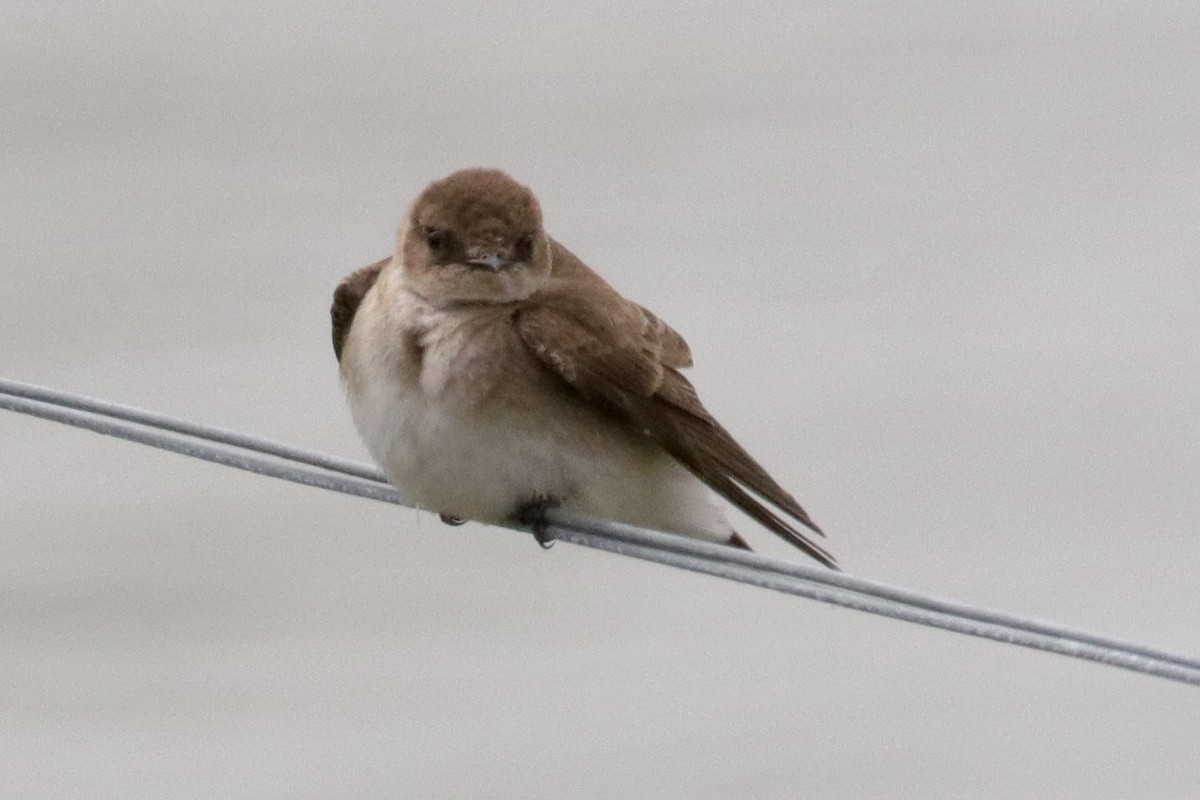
{"x":492,"y":375}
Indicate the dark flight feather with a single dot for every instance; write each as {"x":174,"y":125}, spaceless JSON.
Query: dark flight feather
{"x":623,"y":358}
{"x":346,"y":299}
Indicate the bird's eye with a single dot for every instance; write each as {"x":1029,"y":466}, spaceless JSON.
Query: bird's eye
{"x":436,"y":239}
{"x":525,"y":247}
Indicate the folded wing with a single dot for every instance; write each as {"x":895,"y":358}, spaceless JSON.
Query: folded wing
{"x":346,"y":299}
{"x":618,"y":355}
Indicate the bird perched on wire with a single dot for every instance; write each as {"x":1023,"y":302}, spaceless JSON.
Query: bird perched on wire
{"x":492,"y":374}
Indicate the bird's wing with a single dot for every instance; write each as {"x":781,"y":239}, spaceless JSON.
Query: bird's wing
{"x":675,"y":351}
{"x":617,"y":355}
{"x":346,"y":298}
{"x":569,"y":270}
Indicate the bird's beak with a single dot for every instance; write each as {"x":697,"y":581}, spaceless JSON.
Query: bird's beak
{"x":490,"y":261}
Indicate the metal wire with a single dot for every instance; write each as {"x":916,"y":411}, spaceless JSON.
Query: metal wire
{"x":884,"y":591}
{"x":278,"y":467}
{"x":209,"y":433}
{"x":274,"y":459}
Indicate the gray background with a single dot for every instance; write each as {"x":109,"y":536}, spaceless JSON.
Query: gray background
{"x":938,"y":264}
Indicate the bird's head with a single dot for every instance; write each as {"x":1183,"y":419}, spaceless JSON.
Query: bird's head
{"x":474,"y":236}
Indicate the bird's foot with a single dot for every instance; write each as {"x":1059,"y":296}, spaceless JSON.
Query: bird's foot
{"x":532,"y":514}
{"x":451,"y":520}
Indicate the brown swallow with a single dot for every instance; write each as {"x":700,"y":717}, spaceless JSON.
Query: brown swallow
{"x":490,"y":372}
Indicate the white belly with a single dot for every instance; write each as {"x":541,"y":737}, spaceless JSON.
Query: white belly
{"x":471,"y":465}
{"x":482,"y":453}
{"x":487,"y":464}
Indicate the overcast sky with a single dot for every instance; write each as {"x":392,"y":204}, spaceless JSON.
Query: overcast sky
{"x":938,"y":266}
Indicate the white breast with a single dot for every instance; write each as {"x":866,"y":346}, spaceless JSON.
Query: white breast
{"x":463,"y":422}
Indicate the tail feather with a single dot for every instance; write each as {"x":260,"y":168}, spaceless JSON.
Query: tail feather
{"x":736,"y":540}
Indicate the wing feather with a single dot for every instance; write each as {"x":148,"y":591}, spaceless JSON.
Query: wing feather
{"x":617,"y":354}
{"x":346,"y":299}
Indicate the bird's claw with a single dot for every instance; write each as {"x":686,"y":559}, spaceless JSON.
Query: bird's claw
{"x":451,"y":520}
{"x":533,"y":516}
